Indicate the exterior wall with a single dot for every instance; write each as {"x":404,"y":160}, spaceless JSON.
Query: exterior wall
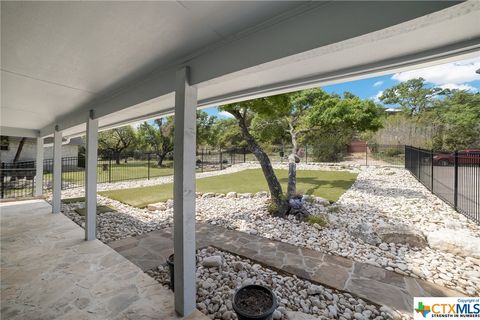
{"x":30,"y":149}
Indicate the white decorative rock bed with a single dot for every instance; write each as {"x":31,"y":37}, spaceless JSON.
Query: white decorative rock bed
{"x":297,"y":299}
{"x":380,"y":199}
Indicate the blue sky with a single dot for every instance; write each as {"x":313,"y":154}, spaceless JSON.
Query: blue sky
{"x":454,"y":75}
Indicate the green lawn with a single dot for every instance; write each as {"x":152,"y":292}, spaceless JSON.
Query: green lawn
{"x":327,"y":184}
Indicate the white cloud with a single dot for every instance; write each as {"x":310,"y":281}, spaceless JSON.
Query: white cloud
{"x":454,"y":73}
{"x":376,"y":97}
{"x":225,"y":114}
{"x":378,"y":83}
{"x":454,"y":86}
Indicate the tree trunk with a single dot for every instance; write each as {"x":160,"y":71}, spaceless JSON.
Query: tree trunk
{"x":292,"y":179}
{"x":292,"y":165}
{"x":117,"y":157}
{"x":160,"y":158}
{"x":273,"y":184}
{"x":19,"y":150}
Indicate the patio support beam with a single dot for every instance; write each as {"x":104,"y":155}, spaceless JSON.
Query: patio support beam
{"x":91,"y":178}
{"x":184,"y":193}
{"x":39,"y":168}
{"x":57,"y":171}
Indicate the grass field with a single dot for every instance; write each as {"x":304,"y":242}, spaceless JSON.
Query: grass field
{"x":327,"y":184}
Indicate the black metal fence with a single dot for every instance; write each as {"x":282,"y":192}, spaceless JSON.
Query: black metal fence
{"x":453,"y":177}
{"x":17,"y":179}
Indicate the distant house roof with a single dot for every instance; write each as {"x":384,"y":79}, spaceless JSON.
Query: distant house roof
{"x":392,"y":110}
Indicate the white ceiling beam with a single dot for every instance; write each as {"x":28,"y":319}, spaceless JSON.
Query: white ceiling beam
{"x":19,"y":132}
{"x":321,"y":25}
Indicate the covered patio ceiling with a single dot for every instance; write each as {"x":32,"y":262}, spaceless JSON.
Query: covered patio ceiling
{"x":62,"y":59}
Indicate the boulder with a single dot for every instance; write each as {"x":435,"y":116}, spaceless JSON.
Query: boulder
{"x":212,"y":261}
{"x":322,"y":201}
{"x":261,"y":194}
{"x":277,"y":315}
{"x":458,"y":242}
{"x":208,"y":195}
{"x":245,"y":195}
{"x":364,"y":232}
{"x":231,"y":195}
{"x":452,"y":224}
{"x":157,"y":206}
{"x":401,"y":234}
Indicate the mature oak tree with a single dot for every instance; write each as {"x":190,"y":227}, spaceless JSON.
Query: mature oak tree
{"x":116,"y":141}
{"x":157,"y":137}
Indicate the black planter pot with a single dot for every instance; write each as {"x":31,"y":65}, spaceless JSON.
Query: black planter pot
{"x":171,"y":269}
{"x":247,"y":293}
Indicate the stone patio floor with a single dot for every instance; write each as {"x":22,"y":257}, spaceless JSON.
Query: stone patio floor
{"x":48,"y":271}
{"x":372,"y":283}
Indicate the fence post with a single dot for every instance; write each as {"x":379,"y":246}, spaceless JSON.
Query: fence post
{"x":2,"y":182}
{"x":221,"y":160}
{"x":244,"y":155}
{"x":202,"y":160}
{"x":366,"y":154}
{"x":306,"y":154}
{"x":455,"y":182}
{"x":148,"y":166}
{"x":407,"y":157}
{"x":418,"y":164}
{"x":110,"y":169}
{"x":431,"y":168}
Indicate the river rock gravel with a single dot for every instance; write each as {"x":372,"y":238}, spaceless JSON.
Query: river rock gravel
{"x":216,"y":286}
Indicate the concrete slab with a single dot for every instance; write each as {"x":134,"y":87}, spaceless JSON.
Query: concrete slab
{"x":50,"y":272}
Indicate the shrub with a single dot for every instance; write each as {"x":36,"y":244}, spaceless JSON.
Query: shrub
{"x":312,"y":219}
{"x":393,"y":152}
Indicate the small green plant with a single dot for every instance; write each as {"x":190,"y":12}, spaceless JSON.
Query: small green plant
{"x":272,"y":207}
{"x":317,"y":220}
{"x":333,"y":209}
{"x":392,"y":152}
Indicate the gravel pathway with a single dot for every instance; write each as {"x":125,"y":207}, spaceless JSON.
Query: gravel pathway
{"x":220,"y":273}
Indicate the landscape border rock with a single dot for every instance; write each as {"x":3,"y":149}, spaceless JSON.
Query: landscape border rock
{"x":401,"y":234}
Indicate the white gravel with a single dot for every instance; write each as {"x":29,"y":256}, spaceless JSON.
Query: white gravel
{"x":380,"y":196}
{"x":216,"y":286}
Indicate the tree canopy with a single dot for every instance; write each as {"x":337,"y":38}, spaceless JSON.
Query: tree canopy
{"x":414,"y":96}
{"x":115,"y":141}
{"x":157,"y":137}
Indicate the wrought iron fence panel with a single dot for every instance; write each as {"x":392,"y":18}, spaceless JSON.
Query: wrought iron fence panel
{"x":452,"y":176}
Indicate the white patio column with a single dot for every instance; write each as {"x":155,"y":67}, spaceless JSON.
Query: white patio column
{"x":184,"y":193}
{"x":91,"y":179}
{"x":57,"y":171}
{"x":39,"y":168}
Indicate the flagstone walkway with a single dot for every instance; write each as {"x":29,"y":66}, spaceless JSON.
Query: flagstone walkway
{"x":376,"y":284}
{"x":50,"y":272}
